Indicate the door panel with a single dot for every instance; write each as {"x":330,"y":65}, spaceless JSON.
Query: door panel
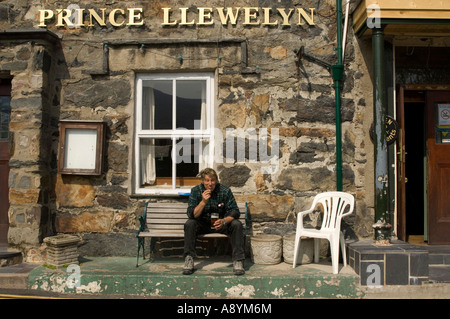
{"x":438,"y":149}
{"x":444,"y":184}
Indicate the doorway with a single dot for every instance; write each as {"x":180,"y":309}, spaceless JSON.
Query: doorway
{"x":415,"y":167}
{"x":5,"y":110}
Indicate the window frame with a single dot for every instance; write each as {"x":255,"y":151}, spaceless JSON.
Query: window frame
{"x":173,"y":133}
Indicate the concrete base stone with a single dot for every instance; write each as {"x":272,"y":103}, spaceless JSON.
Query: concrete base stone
{"x":62,"y":250}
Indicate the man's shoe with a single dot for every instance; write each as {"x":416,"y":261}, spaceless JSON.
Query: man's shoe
{"x":188,"y":268}
{"x":238,"y":267}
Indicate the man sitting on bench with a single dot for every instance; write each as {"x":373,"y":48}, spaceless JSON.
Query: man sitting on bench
{"x":205,"y":199}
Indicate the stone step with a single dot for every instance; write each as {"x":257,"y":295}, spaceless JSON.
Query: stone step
{"x":439,"y":259}
{"x":16,"y":276}
{"x":398,"y":263}
{"x":439,"y":255}
{"x":10,"y":275}
{"x":9,"y":257}
{"x":213,"y":278}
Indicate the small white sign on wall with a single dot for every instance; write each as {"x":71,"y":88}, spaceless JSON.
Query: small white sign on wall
{"x":81,"y":147}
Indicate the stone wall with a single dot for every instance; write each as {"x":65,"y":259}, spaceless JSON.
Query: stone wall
{"x":28,"y":63}
{"x":90,"y":75}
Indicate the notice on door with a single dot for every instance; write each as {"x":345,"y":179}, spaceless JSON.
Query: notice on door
{"x":444,"y":114}
{"x":443,"y":129}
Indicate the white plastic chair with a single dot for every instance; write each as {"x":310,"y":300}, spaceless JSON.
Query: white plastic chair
{"x":334,"y":205}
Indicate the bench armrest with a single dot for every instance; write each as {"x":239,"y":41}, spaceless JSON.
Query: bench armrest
{"x":142,"y":221}
{"x":246,"y":219}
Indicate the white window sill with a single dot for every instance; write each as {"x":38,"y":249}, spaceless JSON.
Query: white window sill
{"x":163,"y":192}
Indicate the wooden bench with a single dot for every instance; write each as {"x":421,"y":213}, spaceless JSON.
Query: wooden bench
{"x":167,"y":220}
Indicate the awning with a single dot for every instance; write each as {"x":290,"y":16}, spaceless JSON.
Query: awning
{"x":403,"y":17}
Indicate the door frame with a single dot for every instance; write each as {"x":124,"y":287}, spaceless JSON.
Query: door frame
{"x":401,"y":230}
{"x":400,"y":163}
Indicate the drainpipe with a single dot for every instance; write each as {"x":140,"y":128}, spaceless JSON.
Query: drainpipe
{"x":337,"y":71}
{"x":382,"y":228}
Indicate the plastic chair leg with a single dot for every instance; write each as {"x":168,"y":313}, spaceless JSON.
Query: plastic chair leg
{"x":316,"y":250}
{"x":344,"y":255}
{"x":296,"y":249}
{"x":334,"y":247}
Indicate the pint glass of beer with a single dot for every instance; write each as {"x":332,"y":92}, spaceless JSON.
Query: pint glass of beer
{"x":214,"y":218}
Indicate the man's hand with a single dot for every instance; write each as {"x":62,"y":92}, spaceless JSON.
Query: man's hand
{"x":219,"y":224}
{"x":206,"y":195}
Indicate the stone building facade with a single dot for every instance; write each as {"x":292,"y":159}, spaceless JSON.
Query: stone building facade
{"x":86,"y":66}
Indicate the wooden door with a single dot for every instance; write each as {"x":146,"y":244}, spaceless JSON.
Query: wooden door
{"x":401,"y":162}
{"x":4,"y":192}
{"x":5,"y":92}
{"x":438,"y":166}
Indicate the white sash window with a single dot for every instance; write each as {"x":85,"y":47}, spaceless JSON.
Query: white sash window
{"x":174,"y":130}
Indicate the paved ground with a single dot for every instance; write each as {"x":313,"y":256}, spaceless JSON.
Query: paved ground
{"x":213,"y":278}
{"x":118,"y":277}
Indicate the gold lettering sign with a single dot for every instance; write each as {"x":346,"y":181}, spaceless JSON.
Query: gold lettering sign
{"x":203,"y":16}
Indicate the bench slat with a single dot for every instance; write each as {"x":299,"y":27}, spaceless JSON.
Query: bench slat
{"x":176,"y":213}
{"x":182,"y":206}
{"x":174,"y":216}
{"x":171,"y":223}
{"x":161,"y":234}
{"x":167,"y":210}
{"x":162,"y":204}
{"x":177,"y":208}
{"x":166,"y":221}
{"x":157,"y":233}
{"x":166,"y":226}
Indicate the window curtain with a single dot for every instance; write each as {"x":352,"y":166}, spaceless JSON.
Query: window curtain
{"x":204,"y":144}
{"x":148,"y":164}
